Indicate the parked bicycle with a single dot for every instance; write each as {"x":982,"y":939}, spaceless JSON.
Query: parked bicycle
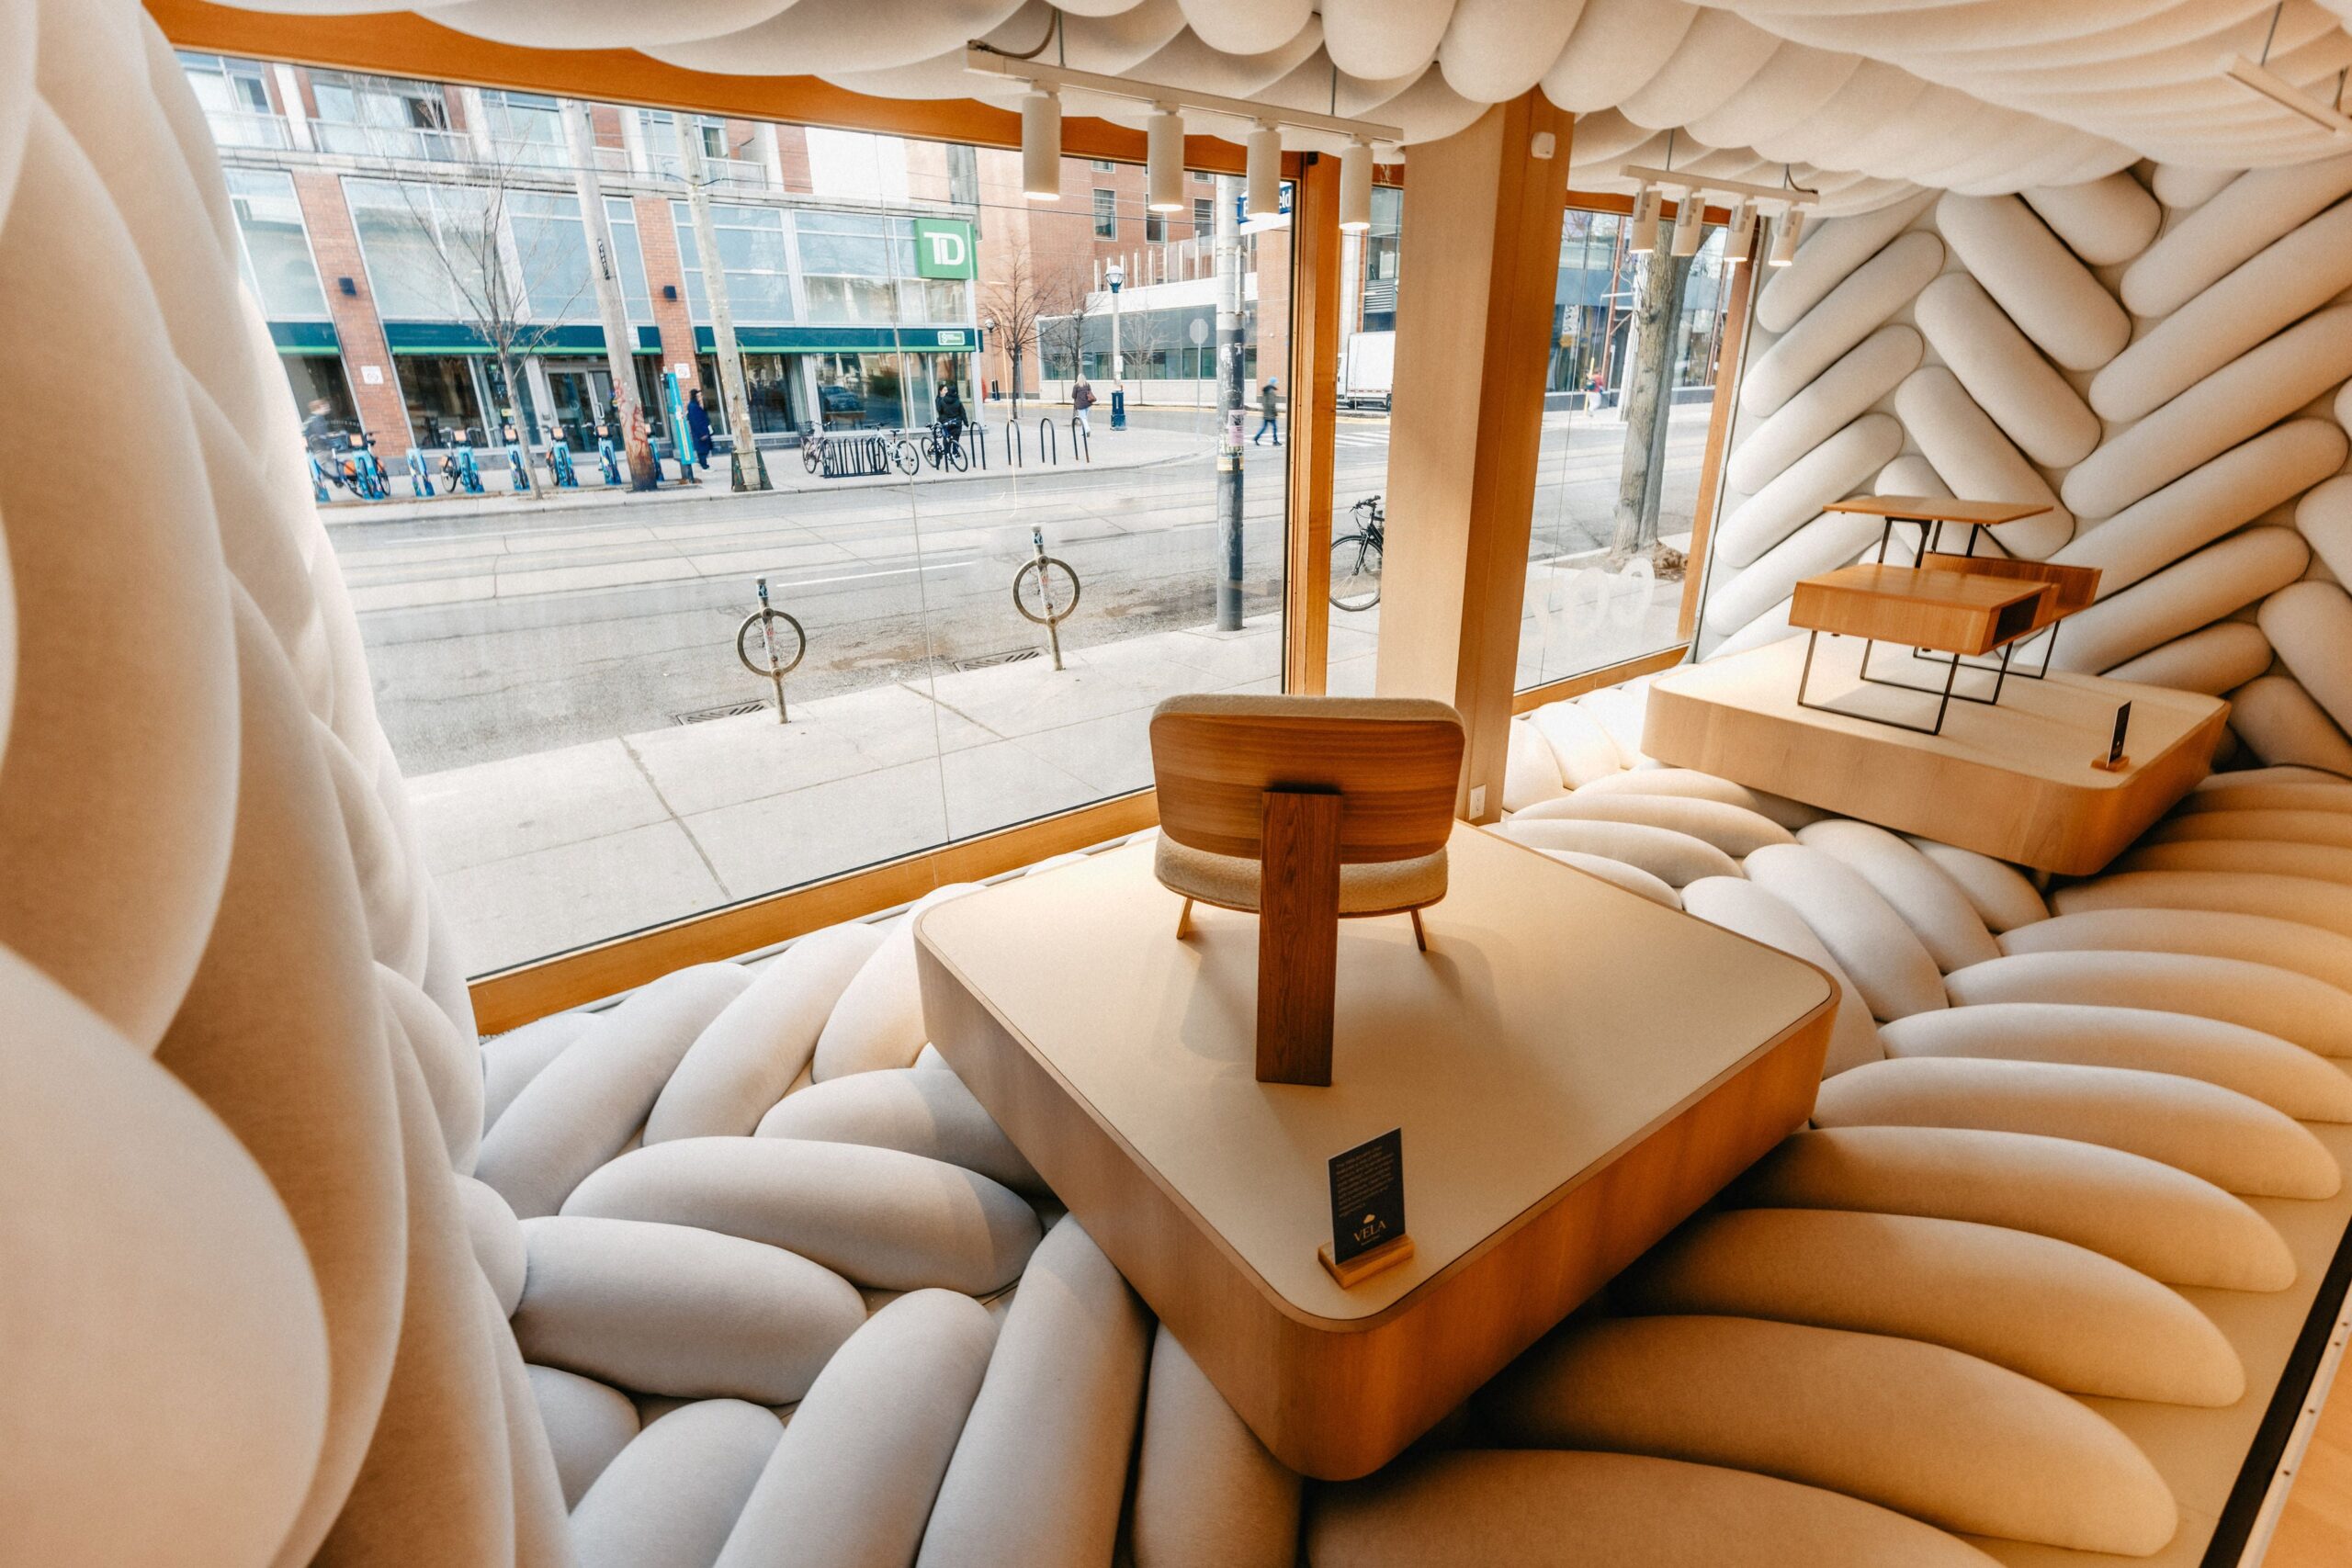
{"x":1355,"y":558}
{"x":944,"y":446}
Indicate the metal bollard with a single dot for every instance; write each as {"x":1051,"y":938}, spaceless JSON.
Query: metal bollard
{"x":1049,"y":445}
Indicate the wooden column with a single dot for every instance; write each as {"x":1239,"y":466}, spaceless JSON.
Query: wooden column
{"x":1473,"y":329}
{"x":1314,"y":404}
{"x":1730,"y":360}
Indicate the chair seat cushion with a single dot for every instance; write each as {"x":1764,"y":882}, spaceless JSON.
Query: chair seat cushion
{"x":1231,"y":881}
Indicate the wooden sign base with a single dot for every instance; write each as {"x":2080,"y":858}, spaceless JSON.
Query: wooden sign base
{"x":1364,"y":1266}
{"x":2121,"y":765}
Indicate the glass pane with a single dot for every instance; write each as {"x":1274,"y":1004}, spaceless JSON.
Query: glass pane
{"x":564,"y":679}
{"x":1634,"y":335}
{"x":1360,"y":446}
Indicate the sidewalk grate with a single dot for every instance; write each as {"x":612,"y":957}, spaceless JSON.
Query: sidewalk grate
{"x":725,"y":710}
{"x":989,"y":660}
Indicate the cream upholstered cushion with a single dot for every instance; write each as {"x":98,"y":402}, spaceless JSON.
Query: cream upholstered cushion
{"x":1544,"y":1508}
{"x":1888,"y":964}
{"x":883,"y":1219}
{"x":497,"y":1238}
{"x":2060,"y":1314}
{"x":1675,"y":859}
{"x":1999,"y":893}
{"x":2277,"y":1072}
{"x":1933,"y":905}
{"x":1040,"y":1472}
{"x":587,"y":1422}
{"x":2166,"y":1222}
{"x":2268,"y":789}
{"x":854,"y":1479}
{"x":1231,"y":881}
{"x":1738,"y":905}
{"x":1734,"y":830}
{"x":1944,"y":1436}
{"x":1207,"y":1494}
{"x":921,"y":1111}
{"x":1529,"y":771}
{"x":2282,"y":823}
{"x":2314,"y":903}
{"x":877,"y":1022}
{"x":2231,"y":1140}
{"x":514,"y":1058}
{"x":747,"y":1057}
{"x":678,"y":1309}
{"x":1578,"y":742}
{"x":2258,"y":939}
{"x":1689,"y":784}
{"x":2325,"y":862}
{"x":669,"y":1499}
{"x":1632,"y":878}
{"x":2278,"y":1001}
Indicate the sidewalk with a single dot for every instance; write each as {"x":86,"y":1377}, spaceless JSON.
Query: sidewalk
{"x":542,"y":852}
{"x":1134,"y":447}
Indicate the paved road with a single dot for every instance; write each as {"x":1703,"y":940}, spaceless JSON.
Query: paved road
{"x":495,"y":637}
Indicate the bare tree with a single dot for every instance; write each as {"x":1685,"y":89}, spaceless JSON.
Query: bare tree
{"x":1066,"y":301}
{"x":492,"y":269}
{"x":1015,"y":303}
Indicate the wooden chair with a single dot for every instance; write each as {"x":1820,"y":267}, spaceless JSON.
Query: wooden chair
{"x":1306,"y":811}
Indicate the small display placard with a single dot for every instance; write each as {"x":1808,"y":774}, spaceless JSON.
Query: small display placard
{"x":1368,"y":1195}
{"x":2122,"y":728}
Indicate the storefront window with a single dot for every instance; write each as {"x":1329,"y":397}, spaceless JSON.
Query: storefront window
{"x":444,"y":404}
{"x":318,"y":378}
{"x":426,"y":247}
{"x":278,"y":268}
{"x":1634,"y":342}
{"x":771,"y":384}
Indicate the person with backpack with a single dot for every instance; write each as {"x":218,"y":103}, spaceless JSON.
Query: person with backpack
{"x":1082,"y":398}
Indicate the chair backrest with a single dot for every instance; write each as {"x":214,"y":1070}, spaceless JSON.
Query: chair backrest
{"x":1397,"y":761}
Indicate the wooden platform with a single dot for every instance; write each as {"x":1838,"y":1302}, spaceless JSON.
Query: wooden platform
{"x":1574,"y":1067}
{"x":2014,"y":782}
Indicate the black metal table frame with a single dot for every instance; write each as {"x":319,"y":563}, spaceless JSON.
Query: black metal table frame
{"x":1953,"y":666}
{"x":1931,"y":535}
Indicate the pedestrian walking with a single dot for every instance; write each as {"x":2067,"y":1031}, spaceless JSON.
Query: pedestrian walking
{"x":1266,"y":413}
{"x":1082,"y":398}
{"x":698,"y":430}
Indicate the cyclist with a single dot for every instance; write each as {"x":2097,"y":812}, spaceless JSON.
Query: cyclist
{"x":952,"y":414}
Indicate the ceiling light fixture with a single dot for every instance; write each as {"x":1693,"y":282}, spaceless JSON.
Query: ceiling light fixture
{"x":1641,"y":230}
{"x":1040,"y":144}
{"x":1355,"y":188}
{"x":1739,"y":235}
{"x":1785,"y":236}
{"x":1690,"y":220}
{"x":1264,"y":179}
{"x":1164,"y":161}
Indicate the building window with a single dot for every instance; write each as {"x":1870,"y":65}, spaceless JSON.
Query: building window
{"x":1103,"y":165}
{"x":1106,"y":214}
{"x":758,"y":261}
{"x":278,"y":265}
{"x":846,"y":267}
{"x":235,"y":97}
{"x":551,"y":249}
{"x":1155,"y":227}
{"x":525,"y":129}
{"x":384,"y":116}
{"x":424,"y":246}
{"x":1204,"y":214}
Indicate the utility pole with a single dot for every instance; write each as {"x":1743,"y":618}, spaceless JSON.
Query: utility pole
{"x":636,"y":436}
{"x":1230,"y":400}
{"x":749,"y":473}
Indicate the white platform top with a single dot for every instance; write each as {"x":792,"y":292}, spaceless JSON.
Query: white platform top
{"x":1555,"y":1021}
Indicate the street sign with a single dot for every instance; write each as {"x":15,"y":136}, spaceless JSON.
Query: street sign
{"x":944,"y":248}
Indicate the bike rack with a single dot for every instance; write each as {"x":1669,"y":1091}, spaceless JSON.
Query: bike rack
{"x":518,"y":469}
{"x":420,"y":479}
{"x":1012,"y":454}
{"x":1081,"y":441}
{"x":975,"y":438}
{"x":559,"y":466}
{"x":318,"y":480}
{"x":768,"y":618}
{"x":1049,"y":446}
{"x":608,"y":459}
{"x":1054,"y":615}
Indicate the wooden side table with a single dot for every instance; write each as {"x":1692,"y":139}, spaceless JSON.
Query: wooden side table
{"x":1930,"y":512}
{"x":1957,"y":613}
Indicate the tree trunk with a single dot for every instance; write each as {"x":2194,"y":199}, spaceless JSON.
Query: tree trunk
{"x":1646,"y":400}
{"x":635,"y":434}
{"x":517,"y":411}
{"x":744,"y":465}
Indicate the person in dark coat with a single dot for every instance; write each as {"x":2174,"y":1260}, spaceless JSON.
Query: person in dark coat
{"x":950,"y":407}
{"x":1266,"y":413}
{"x":698,"y":430}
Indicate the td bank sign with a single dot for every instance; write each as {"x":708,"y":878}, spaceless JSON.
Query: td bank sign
{"x":944,"y":248}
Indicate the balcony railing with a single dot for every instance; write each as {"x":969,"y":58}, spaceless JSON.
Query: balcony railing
{"x":248,"y":127}
{"x":419,"y":143}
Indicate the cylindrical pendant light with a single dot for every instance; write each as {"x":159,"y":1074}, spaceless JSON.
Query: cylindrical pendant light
{"x":1690,"y":215}
{"x":1041,"y":146}
{"x":1784,"y":238}
{"x":1641,"y":230}
{"x":1355,"y":188}
{"x":1740,"y":234}
{"x":1265,"y":173}
{"x":1164,"y":161}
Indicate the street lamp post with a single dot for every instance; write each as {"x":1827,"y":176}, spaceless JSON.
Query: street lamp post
{"x":1116,"y":277}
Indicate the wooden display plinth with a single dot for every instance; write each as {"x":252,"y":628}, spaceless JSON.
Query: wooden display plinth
{"x":2015,"y":781}
{"x":1574,"y":1070}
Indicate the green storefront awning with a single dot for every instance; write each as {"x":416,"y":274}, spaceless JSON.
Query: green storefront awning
{"x":843,"y":340}
{"x":459,"y":337}
{"x":305,"y":337}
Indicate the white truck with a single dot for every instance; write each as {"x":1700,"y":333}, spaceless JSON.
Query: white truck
{"x":1367,"y":370}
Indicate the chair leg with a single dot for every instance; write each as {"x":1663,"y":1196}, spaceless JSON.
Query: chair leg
{"x":1420,"y":937}
{"x":1185,"y":920}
